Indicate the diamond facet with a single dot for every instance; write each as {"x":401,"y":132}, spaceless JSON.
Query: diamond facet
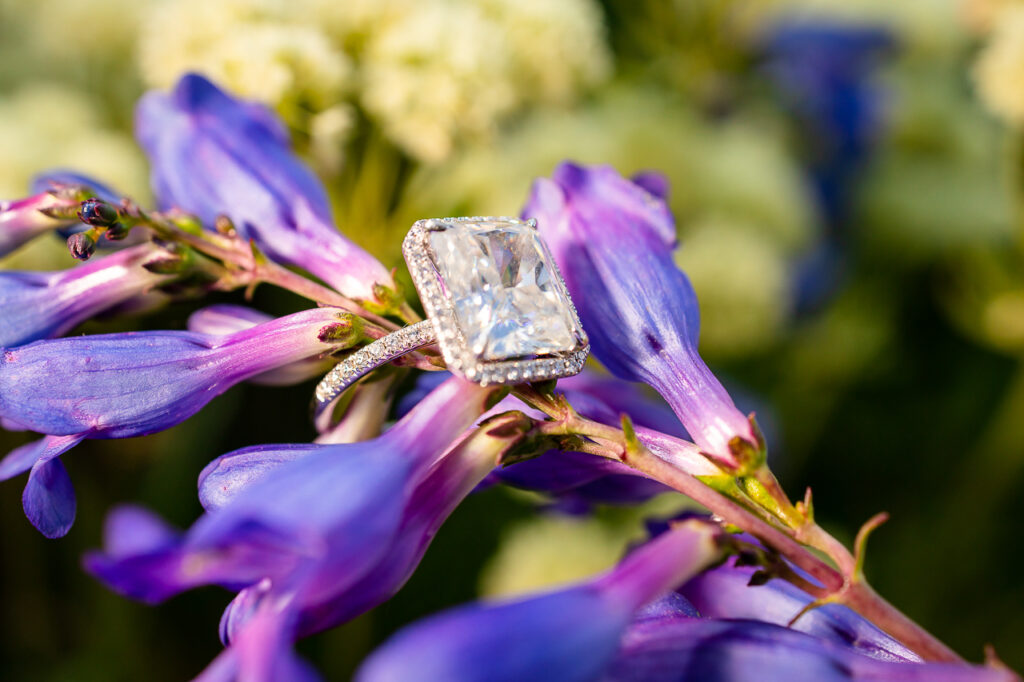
{"x":507,"y":297}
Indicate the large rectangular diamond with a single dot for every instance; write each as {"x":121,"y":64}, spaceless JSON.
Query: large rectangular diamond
{"x":496,"y":295}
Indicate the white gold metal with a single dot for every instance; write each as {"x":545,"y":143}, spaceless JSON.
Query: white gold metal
{"x":370,"y":357}
{"x":559,"y":348}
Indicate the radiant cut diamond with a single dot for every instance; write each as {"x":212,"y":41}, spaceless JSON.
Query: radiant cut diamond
{"x":507,"y":298}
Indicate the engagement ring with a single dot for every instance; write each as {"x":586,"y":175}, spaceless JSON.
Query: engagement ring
{"x":495,"y":302}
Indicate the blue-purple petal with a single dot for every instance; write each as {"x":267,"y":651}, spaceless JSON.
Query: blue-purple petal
{"x":49,"y":498}
{"x":214,"y":155}
{"x":579,"y":630}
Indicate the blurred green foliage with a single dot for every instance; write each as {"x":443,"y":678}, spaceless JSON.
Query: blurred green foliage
{"x":901,"y":389}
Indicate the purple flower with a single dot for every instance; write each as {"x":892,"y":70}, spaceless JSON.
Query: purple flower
{"x":214,"y":155}
{"x":24,"y":219}
{"x":825,"y":72}
{"x":569,"y":635}
{"x":723,"y":592}
{"x":335,"y":530}
{"x":223,"y":319}
{"x":131,"y":384}
{"x":670,"y":644}
{"x":39,"y":305}
{"x":613,"y":241}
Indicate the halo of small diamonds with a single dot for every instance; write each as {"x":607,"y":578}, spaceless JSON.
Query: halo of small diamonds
{"x":441,"y":310}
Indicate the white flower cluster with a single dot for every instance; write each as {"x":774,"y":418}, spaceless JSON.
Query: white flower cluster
{"x":431,"y":73}
{"x":255,"y":48}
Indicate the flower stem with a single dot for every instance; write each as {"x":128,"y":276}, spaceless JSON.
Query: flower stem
{"x":845,"y":586}
{"x":860,"y":597}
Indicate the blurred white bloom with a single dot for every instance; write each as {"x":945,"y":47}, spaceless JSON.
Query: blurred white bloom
{"x":558,"y":46}
{"x":999,"y":71}
{"x":255,"y":48}
{"x":439,"y":73}
{"x":328,"y":132}
{"x":45,"y":126}
{"x":351,"y":23}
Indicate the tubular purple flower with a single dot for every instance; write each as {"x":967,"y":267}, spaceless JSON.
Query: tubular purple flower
{"x":723,"y":592}
{"x":24,"y":219}
{"x":39,"y":305}
{"x":570,"y":635}
{"x":349,"y":493}
{"x":322,"y":534}
{"x":604,"y":231}
{"x":214,"y":155}
{"x":677,"y":647}
{"x":131,"y":384}
{"x":226,"y":319}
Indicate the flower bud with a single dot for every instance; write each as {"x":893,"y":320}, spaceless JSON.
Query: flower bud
{"x":82,"y":245}
{"x":97,"y":213}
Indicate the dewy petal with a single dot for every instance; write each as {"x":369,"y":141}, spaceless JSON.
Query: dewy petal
{"x":39,"y":305}
{"x":214,"y":155}
{"x":613,"y":241}
{"x":569,"y":635}
{"x":723,"y":592}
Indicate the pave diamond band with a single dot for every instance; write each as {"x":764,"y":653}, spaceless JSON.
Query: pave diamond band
{"x":497,"y":307}
{"x":368,"y":358}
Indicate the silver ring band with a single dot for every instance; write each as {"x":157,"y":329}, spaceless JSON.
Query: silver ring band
{"x":366,"y":359}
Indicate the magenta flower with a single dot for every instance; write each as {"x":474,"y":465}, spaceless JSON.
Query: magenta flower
{"x":613,"y":240}
{"x":132,"y":384}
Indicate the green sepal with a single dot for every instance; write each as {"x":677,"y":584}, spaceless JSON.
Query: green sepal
{"x":723,"y":483}
{"x":387,"y":301}
{"x":172,"y":259}
{"x":531,"y":443}
{"x":756,"y":491}
{"x":633,"y":444}
{"x":345,"y":333}
{"x":185,"y":222}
